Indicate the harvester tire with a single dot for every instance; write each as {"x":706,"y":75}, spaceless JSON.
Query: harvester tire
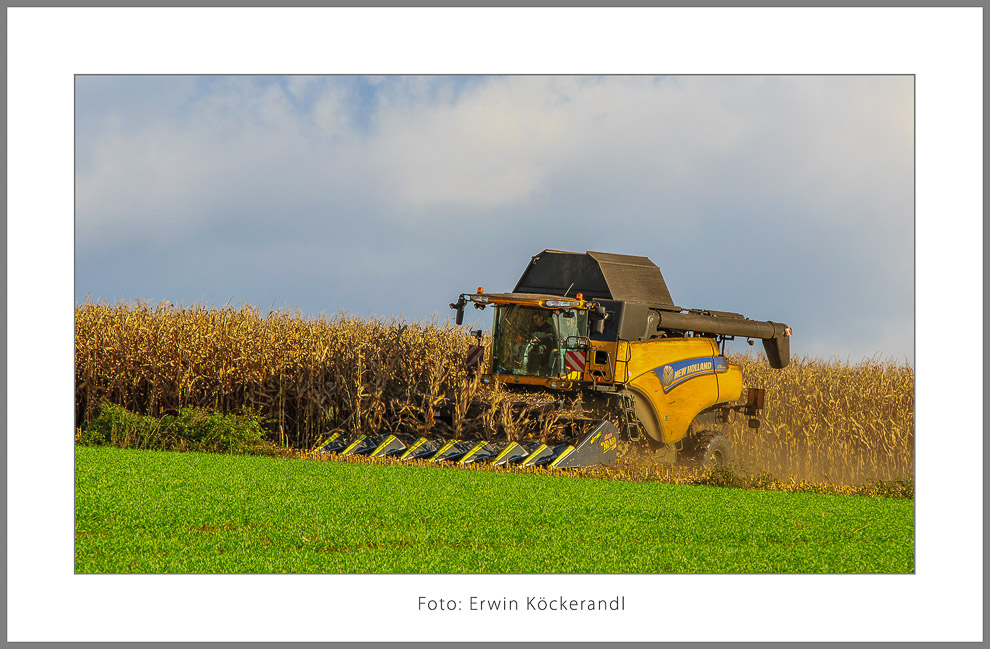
{"x":708,"y":449}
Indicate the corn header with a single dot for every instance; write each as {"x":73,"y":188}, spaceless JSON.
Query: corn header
{"x":593,"y":343}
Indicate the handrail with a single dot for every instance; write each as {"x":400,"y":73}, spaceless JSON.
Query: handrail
{"x":615,"y":368}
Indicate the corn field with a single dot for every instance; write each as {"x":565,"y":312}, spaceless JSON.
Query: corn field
{"x":306,"y":376}
{"x":832,"y":422}
{"x":844,"y":424}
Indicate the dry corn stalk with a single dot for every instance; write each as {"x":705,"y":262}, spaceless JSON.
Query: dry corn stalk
{"x":823,"y":420}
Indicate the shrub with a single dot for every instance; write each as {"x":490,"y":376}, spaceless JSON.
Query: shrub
{"x":191,"y":429}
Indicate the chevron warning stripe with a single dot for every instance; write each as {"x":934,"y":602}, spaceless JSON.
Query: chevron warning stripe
{"x":474,"y":355}
{"x":574,"y":361}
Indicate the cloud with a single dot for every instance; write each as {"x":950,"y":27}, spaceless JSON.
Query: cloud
{"x":505,"y":141}
{"x":492,"y":148}
{"x":787,"y":198}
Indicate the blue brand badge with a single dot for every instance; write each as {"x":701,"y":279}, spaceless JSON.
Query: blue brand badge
{"x":673,"y":374}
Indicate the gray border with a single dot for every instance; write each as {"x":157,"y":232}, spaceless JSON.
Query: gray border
{"x":450,"y":3}
{"x":3,"y":343}
{"x":3,"y":325}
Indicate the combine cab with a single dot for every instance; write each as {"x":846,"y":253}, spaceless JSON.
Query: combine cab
{"x":601,"y":333}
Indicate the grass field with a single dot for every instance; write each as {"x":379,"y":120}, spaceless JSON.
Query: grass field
{"x":155,"y":511}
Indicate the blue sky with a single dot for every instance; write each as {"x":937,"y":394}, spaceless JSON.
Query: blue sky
{"x":781,"y":197}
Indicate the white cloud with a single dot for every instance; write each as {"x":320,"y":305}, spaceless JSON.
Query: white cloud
{"x":803,"y":182}
{"x":300,"y":86}
{"x":499,"y":143}
{"x":491,"y":148}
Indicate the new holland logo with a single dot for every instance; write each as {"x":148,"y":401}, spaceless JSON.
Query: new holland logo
{"x":674,"y":374}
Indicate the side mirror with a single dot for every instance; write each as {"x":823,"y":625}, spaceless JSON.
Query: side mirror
{"x":460,"y":310}
{"x":598,"y":316}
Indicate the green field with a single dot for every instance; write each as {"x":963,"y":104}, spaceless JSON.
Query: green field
{"x":154,"y":511}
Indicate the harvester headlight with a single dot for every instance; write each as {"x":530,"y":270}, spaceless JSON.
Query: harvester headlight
{"x":555,"y":303}
{"x":479,"y":299}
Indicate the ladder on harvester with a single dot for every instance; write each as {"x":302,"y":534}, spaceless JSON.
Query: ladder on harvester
{"x":627,"y":406}
{"x":630,"y":421}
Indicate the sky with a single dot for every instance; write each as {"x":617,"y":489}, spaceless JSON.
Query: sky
{"x":785,"y":198}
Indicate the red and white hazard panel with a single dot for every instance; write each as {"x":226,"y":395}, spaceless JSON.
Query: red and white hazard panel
{"x":474,"y":355}
{"x":574,"y":361}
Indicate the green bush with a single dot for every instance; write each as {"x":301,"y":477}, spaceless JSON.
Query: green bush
{"x":192,"y":429}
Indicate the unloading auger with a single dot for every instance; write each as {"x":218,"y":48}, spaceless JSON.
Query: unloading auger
{"x":601,"y":331}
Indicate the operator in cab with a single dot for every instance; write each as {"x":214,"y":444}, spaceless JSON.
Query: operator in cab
{"x":543,"y":339}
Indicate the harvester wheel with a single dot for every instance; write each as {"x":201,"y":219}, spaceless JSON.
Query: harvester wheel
{"x":708,"y":449}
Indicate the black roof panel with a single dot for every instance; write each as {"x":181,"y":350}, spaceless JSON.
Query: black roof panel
{"x":604,"y":275}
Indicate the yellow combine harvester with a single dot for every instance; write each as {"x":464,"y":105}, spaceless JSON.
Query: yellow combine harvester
{"x":601,"y":331}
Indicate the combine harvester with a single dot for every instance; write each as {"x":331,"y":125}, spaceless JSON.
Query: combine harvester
{"x":626,"y":369}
